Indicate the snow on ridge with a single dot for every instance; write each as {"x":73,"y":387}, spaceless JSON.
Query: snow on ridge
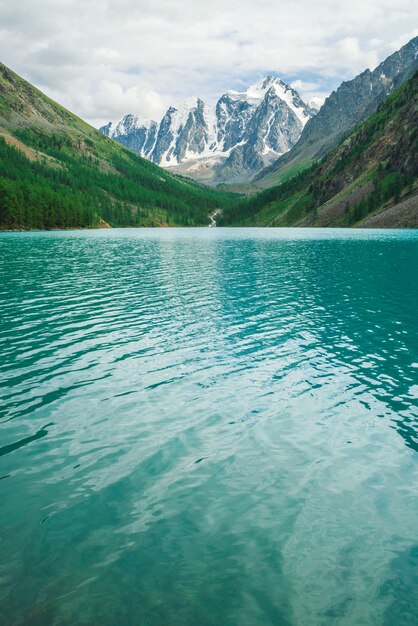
{"x":220,"y":125}
{"x":128,"y":123}
{"x":255,"y":93}
{"x":289,"y":96}
{"x":178,"y":120}
{"x":181,"y":112}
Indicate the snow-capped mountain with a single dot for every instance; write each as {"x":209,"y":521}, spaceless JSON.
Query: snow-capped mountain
{"x":232,"y":141}
{"x":138,"y":135}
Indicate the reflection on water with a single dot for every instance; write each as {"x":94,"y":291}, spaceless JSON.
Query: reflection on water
{"x":209,"y":427}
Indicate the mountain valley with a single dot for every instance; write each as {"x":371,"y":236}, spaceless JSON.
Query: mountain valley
{"x":352,"y":164}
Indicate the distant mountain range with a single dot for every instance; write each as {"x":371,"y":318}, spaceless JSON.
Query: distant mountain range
{"x":230,"y":142}
{"x":350,"y":104}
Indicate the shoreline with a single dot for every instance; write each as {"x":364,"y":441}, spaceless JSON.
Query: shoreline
{"x":60,"y":230}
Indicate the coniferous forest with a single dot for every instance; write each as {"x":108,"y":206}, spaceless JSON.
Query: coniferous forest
{"x":64,"y":191}
{"x":56,"y":171}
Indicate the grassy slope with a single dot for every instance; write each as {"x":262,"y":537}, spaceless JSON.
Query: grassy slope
{"x":273,"y":179}
{"x":288,"y":170}
{"x":74,"y":176}
{"x":374,"y":168}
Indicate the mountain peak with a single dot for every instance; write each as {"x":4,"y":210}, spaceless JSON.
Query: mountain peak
{"x":133,"y":120}
{"x":129,"y":123}
{"x":270,"y":80}
{"x":190,"y":103}
{"x":270,"y":86}
{"x":258,"y":90}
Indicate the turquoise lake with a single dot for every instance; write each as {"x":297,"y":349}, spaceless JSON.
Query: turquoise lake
{"x":209,"y":427}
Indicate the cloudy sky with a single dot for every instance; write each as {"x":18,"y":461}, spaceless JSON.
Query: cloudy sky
{"x":104,"y":58}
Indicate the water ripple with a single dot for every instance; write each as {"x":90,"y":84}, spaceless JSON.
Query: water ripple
{"x":209,"y":427}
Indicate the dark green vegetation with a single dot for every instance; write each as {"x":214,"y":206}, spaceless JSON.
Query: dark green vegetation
{"x":357,"y":183}
{"x":56,"y":171}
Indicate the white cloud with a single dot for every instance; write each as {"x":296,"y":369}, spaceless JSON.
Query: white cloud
{"x":105,"y":58}
{"x":310,"y":92}
{"x":302,"y":85}
{"x":133,"y":99}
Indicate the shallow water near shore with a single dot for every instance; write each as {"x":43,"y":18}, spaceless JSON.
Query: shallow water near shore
{"x":209,"y":427}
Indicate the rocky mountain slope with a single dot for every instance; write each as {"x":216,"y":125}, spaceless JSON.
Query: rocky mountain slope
{"x":350,"y":104}
{"x":56,"y":171}
{"x":370,"y":179}
{"x":229,"y":142}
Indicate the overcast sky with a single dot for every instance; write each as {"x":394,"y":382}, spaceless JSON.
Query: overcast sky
{"x":104,"y":58}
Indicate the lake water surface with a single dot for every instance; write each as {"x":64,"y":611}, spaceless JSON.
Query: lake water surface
{"x":209,"y":427}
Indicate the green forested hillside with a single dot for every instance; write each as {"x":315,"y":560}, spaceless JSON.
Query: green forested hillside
{"x":56,"y":171}
{"x":372,"y":170}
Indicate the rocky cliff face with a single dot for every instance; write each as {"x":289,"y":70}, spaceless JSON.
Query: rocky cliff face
{"x":230,"y":142}
{"x":356,"y":99}
{"x":274,"y":126}
{"x":349,"y":105}
{"x":134,"y":134}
